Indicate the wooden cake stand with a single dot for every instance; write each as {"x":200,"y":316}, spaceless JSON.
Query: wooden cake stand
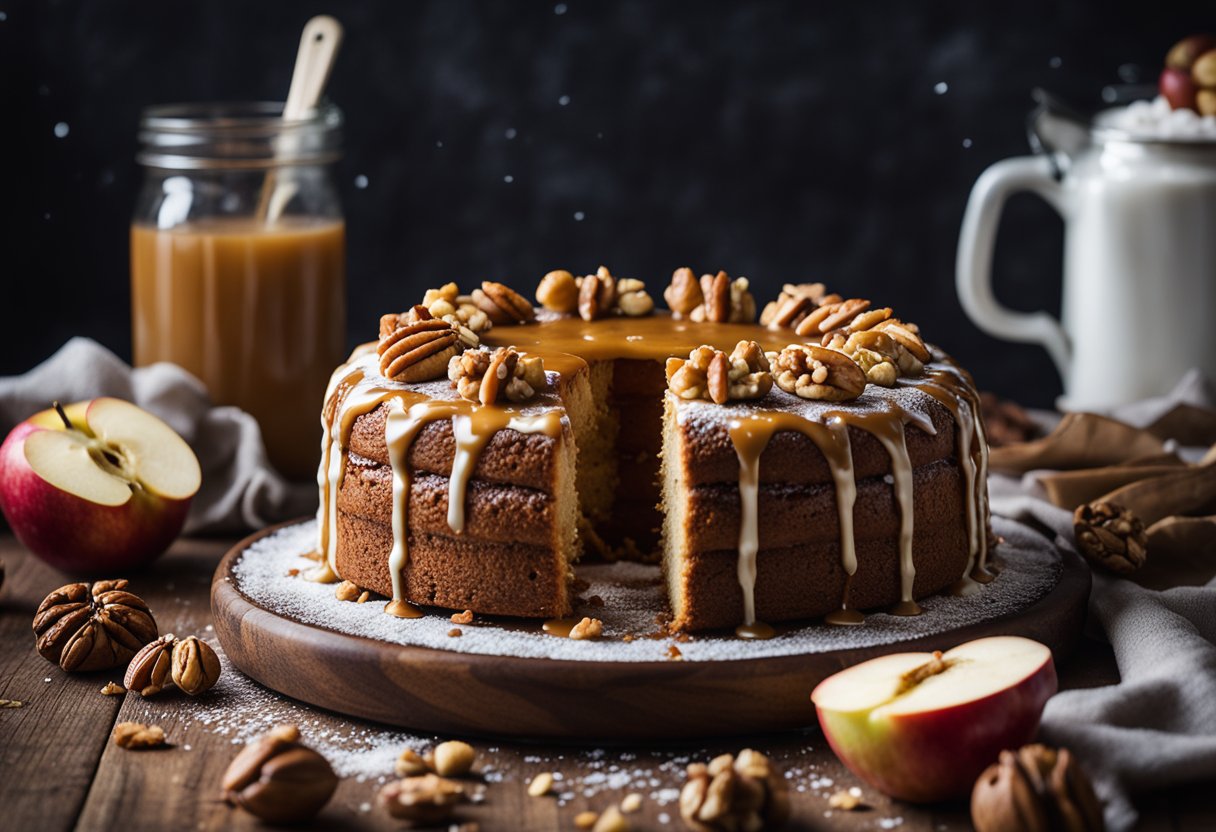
{"x":447,"y":692}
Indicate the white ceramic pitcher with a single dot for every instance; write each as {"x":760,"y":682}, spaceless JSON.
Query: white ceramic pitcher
{"x":1139,"y":296}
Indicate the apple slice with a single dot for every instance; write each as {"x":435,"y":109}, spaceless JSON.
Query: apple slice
{"x":922,"y":726}
{"x":96,"y":486}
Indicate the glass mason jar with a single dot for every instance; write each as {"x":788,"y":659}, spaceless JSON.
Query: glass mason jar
{"x":238,"y":262}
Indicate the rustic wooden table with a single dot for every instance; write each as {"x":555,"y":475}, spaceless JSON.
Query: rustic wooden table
{"x":59,"y":770}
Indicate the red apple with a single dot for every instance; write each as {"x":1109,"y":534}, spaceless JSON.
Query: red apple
{"x":1177,"y":87}
{"x":922,"y":726}
{"x":98,"y":486}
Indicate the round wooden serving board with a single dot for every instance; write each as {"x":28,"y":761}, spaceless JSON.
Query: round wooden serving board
{"x":446,"y":692}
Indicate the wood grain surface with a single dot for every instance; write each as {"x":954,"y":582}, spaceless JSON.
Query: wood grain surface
{"x":60,"y":771}
{"x":446,"y":691}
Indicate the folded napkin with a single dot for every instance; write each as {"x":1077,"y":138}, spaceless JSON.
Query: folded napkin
{"x":1156,"y":728}
{"x":240,"y":492}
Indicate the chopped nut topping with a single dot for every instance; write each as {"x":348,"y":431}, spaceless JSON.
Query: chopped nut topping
{"x":453,"y":758}
{"x":346,"y":591}
{"x":632,"y":298}
{"x":447,"y":304}
{"x":541,"y":784}
{"x":885,"y":348}
{"x":596,"y":294}
{"x":465,"y":617}
{"x":711,"y":374}
{"x":819,"y":373}
{"x":558,"y":292}
{"x":136,"y":736}
{"x":487,"y":376}
{"x":503,"y":304}
{"x":424,"y":800}
{"x":1111,"y":537}
{"x":410,"y":764}
{"x":791,"y":307}
{"x":587,"y":628}
{"x":725,"y":300}
{"x":683,"y":295}
{"x":414,"y":346}
{"x":744,"y":792}
{"x":112,"y":689}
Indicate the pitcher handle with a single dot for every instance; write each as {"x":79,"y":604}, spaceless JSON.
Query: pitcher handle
{"x":973,"y":270}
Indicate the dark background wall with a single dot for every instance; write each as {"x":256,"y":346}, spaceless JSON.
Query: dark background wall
{"x":782,"y":141}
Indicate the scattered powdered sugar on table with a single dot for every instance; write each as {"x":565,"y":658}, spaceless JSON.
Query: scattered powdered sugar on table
{"x":1153,"y":119}
{"x":633,"y":595}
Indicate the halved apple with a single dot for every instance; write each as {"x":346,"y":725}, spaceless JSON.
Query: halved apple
{"x":96,"y":486}
{"x":922,"y":726}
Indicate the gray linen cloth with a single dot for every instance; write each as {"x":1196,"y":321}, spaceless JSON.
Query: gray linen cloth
{"x":1156,"y":728}
{"x":240,"y":492}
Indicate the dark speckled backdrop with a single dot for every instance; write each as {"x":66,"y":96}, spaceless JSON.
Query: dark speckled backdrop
{"x":782,"y":141}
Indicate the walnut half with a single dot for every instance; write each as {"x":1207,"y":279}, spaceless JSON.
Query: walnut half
{"x":488,"y":376}
{"x":711,"y":374}
{"x":812,"y":372}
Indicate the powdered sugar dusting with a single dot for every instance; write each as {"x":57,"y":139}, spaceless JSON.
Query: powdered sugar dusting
{"x":632,"y":594}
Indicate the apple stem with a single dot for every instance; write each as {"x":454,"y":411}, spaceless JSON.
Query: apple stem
{"x":67,"y":423}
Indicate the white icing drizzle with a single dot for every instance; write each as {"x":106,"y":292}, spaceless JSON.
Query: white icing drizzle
{"x":749,"y":531}
{"x":846,"y":494}
{"x":468,"y":447}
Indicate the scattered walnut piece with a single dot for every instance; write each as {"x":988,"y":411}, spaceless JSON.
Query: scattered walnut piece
{"x":136,"y":736}
{"x":487,"y":376}
{"x":415,"y":346}
{"x":453,"y":758}
{"x":363,"y":596}
{"x":11,"y":703}
{"x":631,"y":803}
{"x":586,"y":820}
{"x":541,"y":784}
{"x":455,"y":632}
{"x":410,"y":764}
{"x":711,"y":374}
{"x":812,"y":372}
{"x":1110,"y":536}
{"x":465,"y":617}
{"x":113,"y":689}
{"x":846,"y":800}
{"x":587,"y":628}
{"x":428,"y":799}
{"x":1030,"y":789}
{"x":346,"y":591}
{"x":743,"y":792}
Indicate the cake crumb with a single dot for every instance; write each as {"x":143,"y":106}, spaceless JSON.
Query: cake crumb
{"x":455,"y":632}
{"x":293,"y":572}
{"x":113,"y":689}
{"x":465,"y":617}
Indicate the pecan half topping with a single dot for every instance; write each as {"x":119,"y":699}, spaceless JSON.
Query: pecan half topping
{"x":488,"y":376}
{"x":558,"y":292}
{"x":596,"y":294}
{"x":195,"y":666}
{"x":711,"y":374}
{"x":1110,"y":536}
{"x":812,"y":372}
{"x":148,"y":672}
{"x":425,"y":800}
{"x":796,"y":301}
{"x":279,"y":780}
{"x":1035,"y":789}
{"x":415,"y":346}
{"x":82,"y":627}
{"x":683,"y":295}
{"x":732,"y":793}
{"x":725,"y":300}
{"x":503,"y":304}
